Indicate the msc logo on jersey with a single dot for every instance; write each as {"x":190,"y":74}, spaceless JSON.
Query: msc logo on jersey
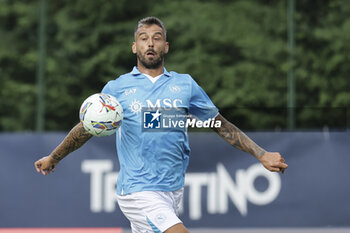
{"x":152,"y":119}
{"x":136,"y":105}
{"x":164,"y":103}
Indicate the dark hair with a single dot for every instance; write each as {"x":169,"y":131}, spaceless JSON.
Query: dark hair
{"x":150,"y":21}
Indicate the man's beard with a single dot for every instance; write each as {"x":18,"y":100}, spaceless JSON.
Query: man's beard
{"x":151,"y":63}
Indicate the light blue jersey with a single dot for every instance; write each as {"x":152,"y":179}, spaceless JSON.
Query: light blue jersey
{"x":155,"y":161}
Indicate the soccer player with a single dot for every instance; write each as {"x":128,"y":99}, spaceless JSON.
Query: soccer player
{"x":153,"y":164}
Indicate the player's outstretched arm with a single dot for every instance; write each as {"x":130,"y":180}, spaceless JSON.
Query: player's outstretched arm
{"x":272,"y":161}
{"x":75,"y":139}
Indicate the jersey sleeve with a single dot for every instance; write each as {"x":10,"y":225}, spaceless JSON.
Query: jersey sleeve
{"x":107,"y":89}
{"x":200,"y":104}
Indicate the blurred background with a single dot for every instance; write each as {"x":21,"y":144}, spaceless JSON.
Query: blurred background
{"x":256,"y":59}
{"x":278,"y":69}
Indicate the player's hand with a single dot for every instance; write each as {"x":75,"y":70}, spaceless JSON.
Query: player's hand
{"x":274,"y":162}
{"x":46,"y":165}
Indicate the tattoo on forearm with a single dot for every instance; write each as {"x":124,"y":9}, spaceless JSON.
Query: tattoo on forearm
{"x":74,"y":140}
{"x":57,"y":157}
{"x":237,"y":138}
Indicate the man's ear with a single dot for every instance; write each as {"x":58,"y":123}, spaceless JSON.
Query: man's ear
{"x":133,"y":47}
{"x":166,"y":47}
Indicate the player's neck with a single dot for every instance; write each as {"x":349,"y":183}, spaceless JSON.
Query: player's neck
{"x":152,"y":72}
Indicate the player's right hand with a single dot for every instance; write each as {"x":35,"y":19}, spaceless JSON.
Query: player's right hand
{"x":46,"y":165}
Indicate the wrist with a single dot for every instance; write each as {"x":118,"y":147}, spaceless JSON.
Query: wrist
{"x":55,"y":157}
{"x":260,"y":154}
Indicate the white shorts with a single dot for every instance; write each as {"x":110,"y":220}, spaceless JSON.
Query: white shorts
{"x":151,"y":211}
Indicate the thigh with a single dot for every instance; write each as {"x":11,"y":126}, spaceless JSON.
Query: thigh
{"x":177,"y":228}
{"x":178,"y":200}
{"x":148,"y":211}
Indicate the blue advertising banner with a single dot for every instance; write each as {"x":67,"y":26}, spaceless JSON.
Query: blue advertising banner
{"x":224,"y":187}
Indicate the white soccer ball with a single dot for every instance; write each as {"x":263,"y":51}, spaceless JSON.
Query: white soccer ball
{"x":101,"y":114}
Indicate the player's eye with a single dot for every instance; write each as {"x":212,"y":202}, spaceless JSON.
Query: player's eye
{"x":143,"y":38}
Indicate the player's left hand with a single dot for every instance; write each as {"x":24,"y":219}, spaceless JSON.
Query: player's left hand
{"x":274,"y":162}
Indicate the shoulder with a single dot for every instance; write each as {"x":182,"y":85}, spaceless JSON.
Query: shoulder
{"x":183,"y":77}
{"x":122,"y":79}
{"x":118,"y":85}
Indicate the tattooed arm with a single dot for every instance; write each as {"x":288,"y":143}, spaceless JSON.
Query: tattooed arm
{"x":233,"y":135}
{"x":74,"y":140}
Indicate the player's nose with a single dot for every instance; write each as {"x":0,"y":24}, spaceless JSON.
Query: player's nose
{"x":150,"y":43}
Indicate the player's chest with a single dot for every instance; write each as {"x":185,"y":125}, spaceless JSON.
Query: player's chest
{"x":157,"y":95}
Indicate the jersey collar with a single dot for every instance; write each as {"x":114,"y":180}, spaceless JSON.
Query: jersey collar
{"x":136,"y":72}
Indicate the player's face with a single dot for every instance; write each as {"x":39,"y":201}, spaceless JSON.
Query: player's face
{"x":150,"y":46}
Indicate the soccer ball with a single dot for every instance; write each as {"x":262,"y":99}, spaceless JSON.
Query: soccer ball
{"x":101,"y":114}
